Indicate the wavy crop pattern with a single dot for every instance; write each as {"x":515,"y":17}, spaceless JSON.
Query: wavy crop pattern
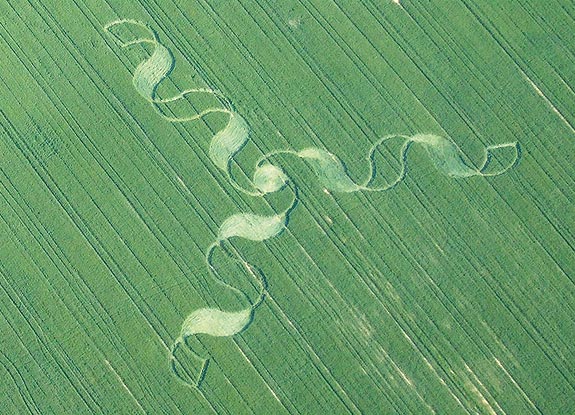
{"x":267,"y":178}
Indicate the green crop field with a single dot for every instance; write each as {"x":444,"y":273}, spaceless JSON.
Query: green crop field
{"x":295,"y":206}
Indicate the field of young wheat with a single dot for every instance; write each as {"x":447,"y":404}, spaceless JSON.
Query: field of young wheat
{"x":299,"y":207}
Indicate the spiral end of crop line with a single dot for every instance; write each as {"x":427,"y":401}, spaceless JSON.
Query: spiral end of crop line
{"x":267,"y":179}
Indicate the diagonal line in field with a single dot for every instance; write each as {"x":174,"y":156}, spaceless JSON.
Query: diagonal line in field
{"x":126,"y":388}
{"x":547,"y":100}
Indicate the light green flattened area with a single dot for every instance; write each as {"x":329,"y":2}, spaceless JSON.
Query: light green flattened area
{"x":287,"y":207}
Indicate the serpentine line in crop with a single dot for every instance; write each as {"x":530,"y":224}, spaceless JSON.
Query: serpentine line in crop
{"x":267,"y":179}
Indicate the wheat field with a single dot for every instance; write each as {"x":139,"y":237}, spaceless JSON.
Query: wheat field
{"x":291,"y":207}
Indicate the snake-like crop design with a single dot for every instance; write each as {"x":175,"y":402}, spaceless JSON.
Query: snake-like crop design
{"x":267,"y":178}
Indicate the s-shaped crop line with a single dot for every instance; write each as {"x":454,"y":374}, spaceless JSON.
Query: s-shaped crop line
{"x":267,"y":178}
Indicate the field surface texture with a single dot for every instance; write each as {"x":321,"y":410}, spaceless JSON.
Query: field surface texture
{"x":287,"y":207}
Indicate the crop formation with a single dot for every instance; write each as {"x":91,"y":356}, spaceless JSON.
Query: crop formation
{"x":306,"y":207}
